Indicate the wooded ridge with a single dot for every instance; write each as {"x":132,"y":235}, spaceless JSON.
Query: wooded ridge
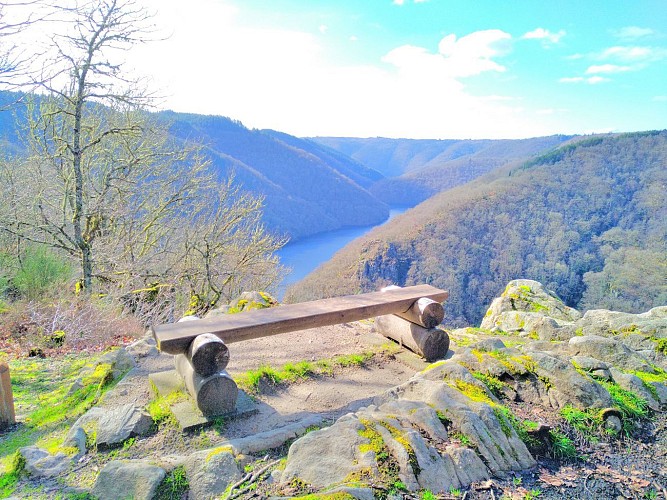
{"x":588,"y":219}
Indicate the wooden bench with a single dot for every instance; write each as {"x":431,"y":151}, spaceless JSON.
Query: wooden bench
{"x":202,"y":355}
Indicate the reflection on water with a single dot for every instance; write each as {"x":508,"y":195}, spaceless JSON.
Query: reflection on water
{"x":305,"y":255}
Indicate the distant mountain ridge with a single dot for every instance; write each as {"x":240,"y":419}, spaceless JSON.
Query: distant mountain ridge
{"x":588,"y":219}
{"x":417,"y":169}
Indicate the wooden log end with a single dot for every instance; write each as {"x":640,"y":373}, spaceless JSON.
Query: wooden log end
{"x":434,"y":345}
{"x":208,"y":354}
{"x":217,"y":394}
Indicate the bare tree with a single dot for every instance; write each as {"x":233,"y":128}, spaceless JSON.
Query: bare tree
{"x":105,"y":183}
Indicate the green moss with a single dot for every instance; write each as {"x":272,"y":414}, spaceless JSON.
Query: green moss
{"x":494,"y":384}
{"x":9,"y":480}
{"x":505,"y":425}
{"x":478,"y":354}
{"x":433,"y":365}
{"x":402,"y":440}
{"x":661,"y":346}
{"x":537,"y":307}
{"x":387,"y":465}
{"x":52,"y":393}
{"x":648,"y":379}
{"x":473,"y":391}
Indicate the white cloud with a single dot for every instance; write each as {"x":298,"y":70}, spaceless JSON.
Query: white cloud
{"x":596,"y":79}
{"x":636,"y":53}
{"x":608,"y":68}
{"x":323,"y":28}
{"x":633,"y":32}
{"x":398,"y":2}
{"x":353,"y":38}
{"x":544,"y":35}
{"x":282,"y":79}
{"x":592,"y":80}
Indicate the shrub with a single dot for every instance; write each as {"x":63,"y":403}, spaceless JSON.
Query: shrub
{"x":40,"y":272}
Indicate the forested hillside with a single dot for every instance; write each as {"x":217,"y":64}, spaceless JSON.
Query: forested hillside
{"x":588,"y":219}
{"x":306,"y":189}
{"x":417,"y":169}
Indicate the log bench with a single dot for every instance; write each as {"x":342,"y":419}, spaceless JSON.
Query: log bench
{"x":407,"y":315}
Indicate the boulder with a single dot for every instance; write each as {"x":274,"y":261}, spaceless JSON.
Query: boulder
{"x":209,"y":472}
{"x":136,"y":479}
{"x":111,"y":426}
{"x":330,"y":456}
{"x":611,"y":351}
{"x":118,"y":424}
{"x":527,"y":296}
{"x":606,"y":323}
{"x":41,"y":463}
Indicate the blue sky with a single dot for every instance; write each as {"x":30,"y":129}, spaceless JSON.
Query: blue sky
{"x":417,"y":69}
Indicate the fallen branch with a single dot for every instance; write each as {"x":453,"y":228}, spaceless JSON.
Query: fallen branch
{"x":250,"y":479}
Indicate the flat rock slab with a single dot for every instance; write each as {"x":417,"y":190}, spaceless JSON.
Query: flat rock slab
{"x":188,"y":416}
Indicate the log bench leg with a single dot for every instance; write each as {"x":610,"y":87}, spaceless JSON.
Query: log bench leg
{"x":214,"y":394}
{"x":202,"y":368}
{"x":430,"y":343}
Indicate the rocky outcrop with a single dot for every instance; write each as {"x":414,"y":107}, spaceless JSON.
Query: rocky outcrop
{"x":448,"y":426}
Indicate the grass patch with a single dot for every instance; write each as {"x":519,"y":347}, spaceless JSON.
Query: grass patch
{"x":174,"y":485}
{"x":9,"y":479}
{"x":52,"y":393}
{"x":631,"y":405}
{"x":294,"y":372}
{"x":562,"y":446}
{"x":587,"y":422}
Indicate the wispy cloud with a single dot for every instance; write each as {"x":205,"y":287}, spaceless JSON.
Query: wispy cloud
{"x":628,"y":33}
{"x":633,"y":53}
{"x":608,"y":68}
{"x":544,"y":35}
{"x":591,"y":80}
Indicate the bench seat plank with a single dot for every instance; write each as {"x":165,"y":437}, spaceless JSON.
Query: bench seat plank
{"x":174,"y":338}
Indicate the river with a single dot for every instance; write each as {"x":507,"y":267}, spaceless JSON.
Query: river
{"x":304,"y":255}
